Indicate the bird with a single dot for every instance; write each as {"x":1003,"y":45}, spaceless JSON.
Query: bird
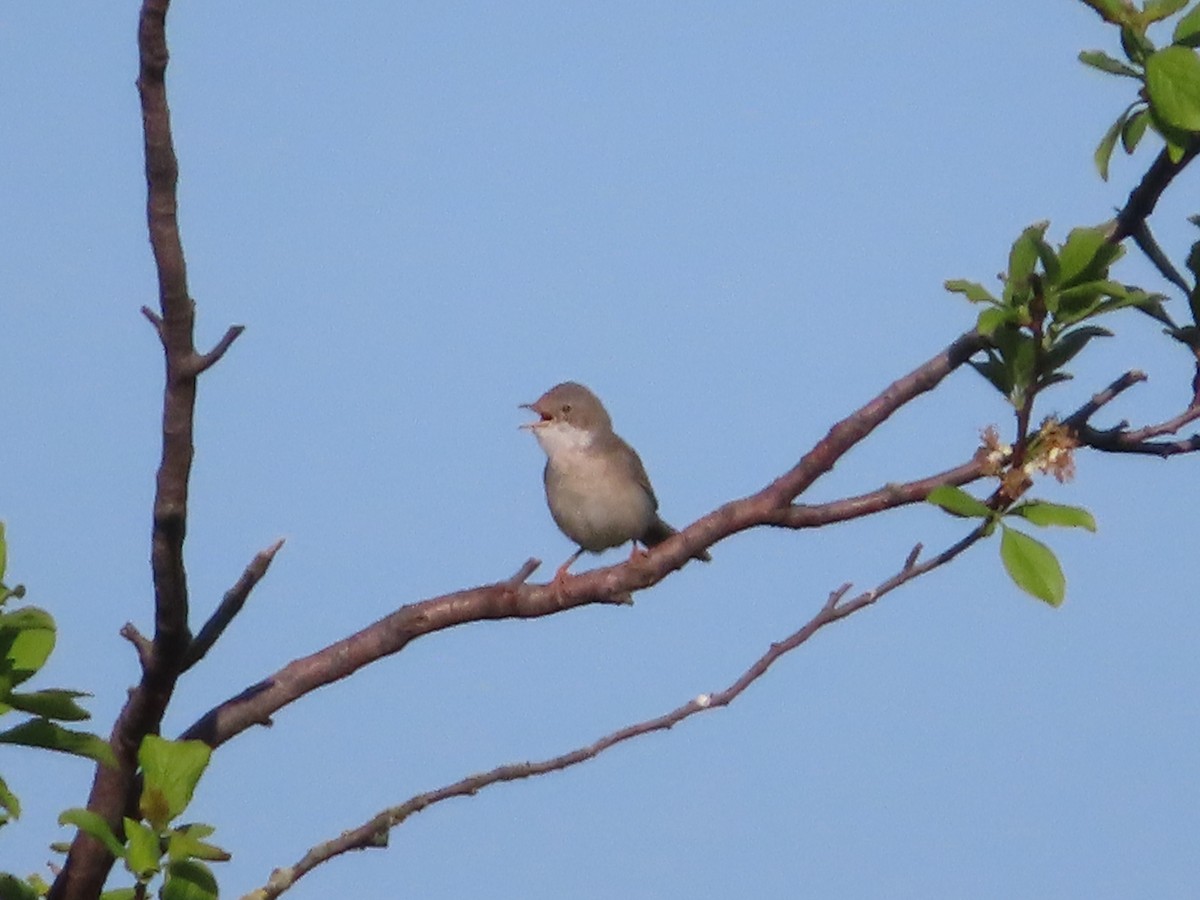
{"x":596,"y":486}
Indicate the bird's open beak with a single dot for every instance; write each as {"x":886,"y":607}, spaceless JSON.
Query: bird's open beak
{"x":542,"y":418}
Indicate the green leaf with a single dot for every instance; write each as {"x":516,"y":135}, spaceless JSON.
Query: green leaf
{"x":1053,"y":378}
{"x":188,"y":880}
{"x":1134,"y":129}
{"x":1042,"y":514}
{"x":45,"y":734}
{"x":1086,"y":255}
{"x":992,"y":318}
{"x":187,"y":843}
{"x":9,"y":801}
{"x":26,"y":640}
{"x":958,"y":502}
{"x":1136,"y":45}
{"x":1151,"y":304}
{"x":171,"y":768}
{"x":1187,"y":32}
{"x":1048,"y":258}
{"x":1110,"y":10}
{"x":972,"y":290}
{"x":144,"y":850}
{"x":1032,"y":566}
{"x":1177,"y":139}
{"x":995,"y":373}
{"x":1024,"y":255}
{"x":12,"y":888}
{"x":1157,"y":10}
{"x":1173,"y":83}
{"x":120,"y":894}
{"x":1098,"y":59}
{"x":1069,"y":344}
{"x":1021,"y":367}
{"x":51,"y":703}
{"x":90,"y":823}
{"x":1104,"y":150}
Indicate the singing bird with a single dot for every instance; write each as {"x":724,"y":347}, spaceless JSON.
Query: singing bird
{"x":596,"y":486}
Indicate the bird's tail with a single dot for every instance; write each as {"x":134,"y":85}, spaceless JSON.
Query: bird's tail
{"x":659,"y":531}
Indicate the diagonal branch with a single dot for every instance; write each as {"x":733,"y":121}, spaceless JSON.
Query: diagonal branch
{"x":888,"y":497}
{"x":1139,"y":441}
{"x":374,"y":832}
{"x":231,"y":605}
{"x":613,"y":585}
{"x":1143,"y":198}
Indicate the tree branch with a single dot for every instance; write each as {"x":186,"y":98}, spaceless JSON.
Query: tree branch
{"x":231,"y":605}
{"x":1140,"y":441}
{"x":374,"y":832}
{"x":887,"y":497}
{"x":613,"y":585}
{"x":1143,"y":198}
{"x":88,"y":862}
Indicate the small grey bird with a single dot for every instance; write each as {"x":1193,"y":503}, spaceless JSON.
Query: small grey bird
{"x":596,"y":486}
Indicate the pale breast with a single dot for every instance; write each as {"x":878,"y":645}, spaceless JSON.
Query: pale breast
{"x":596,"y":503}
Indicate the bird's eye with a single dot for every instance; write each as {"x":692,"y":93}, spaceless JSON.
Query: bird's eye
{"x":566,"y":408}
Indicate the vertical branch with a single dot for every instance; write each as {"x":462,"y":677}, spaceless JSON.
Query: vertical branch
{"x":113,"y":790}
{"x":175,"y":327}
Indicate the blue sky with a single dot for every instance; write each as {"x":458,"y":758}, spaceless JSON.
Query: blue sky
{"x":733,"y":221}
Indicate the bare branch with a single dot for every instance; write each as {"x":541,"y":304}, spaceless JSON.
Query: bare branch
{"x":913,"y":556}
{"x":1143,"y":198}
{"x":1135,"y":442}
{"x":887,"y":497}
{"x":88,"y":862}
{"x":207,"y":360}
{"x":143,"y":646}
{"x":1140,"y":441}
{"x":857,"y":426}
{"x":231,"y":605}
{"x":615,"y":584}
{"x":154,"y":319}
{"x":374,"y":832}
{"x":1081,"y":416}
{"x":522,"y":574}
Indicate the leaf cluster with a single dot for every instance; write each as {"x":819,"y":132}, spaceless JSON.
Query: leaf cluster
{"x":1032,"y":565}
{"x":27,"y":637}
{"x":1168,"y":98}
{"x":1045,"y":314}
{"x":170,"y":771}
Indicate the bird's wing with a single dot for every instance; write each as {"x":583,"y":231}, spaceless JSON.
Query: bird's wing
{"x":637,"y":470}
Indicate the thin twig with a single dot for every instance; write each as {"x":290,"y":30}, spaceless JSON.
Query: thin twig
{"x":522,"y":574}
{"x":140,"y":642}
{"x":231,"y":604}
{"x":1081,"y":416}
{"x":1139,"y":441}
{"x":374,"y":832}
{"x":887,"y":497}
{"x":154,"y":319}
{"x":207,"y":360}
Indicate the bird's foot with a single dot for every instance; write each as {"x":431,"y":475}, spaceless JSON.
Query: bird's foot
{"x":561,"y":577}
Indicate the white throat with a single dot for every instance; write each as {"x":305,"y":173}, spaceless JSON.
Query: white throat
{"x":558,"y":437}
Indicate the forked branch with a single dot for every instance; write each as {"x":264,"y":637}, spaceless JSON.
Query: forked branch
{"x":375,"y":831}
